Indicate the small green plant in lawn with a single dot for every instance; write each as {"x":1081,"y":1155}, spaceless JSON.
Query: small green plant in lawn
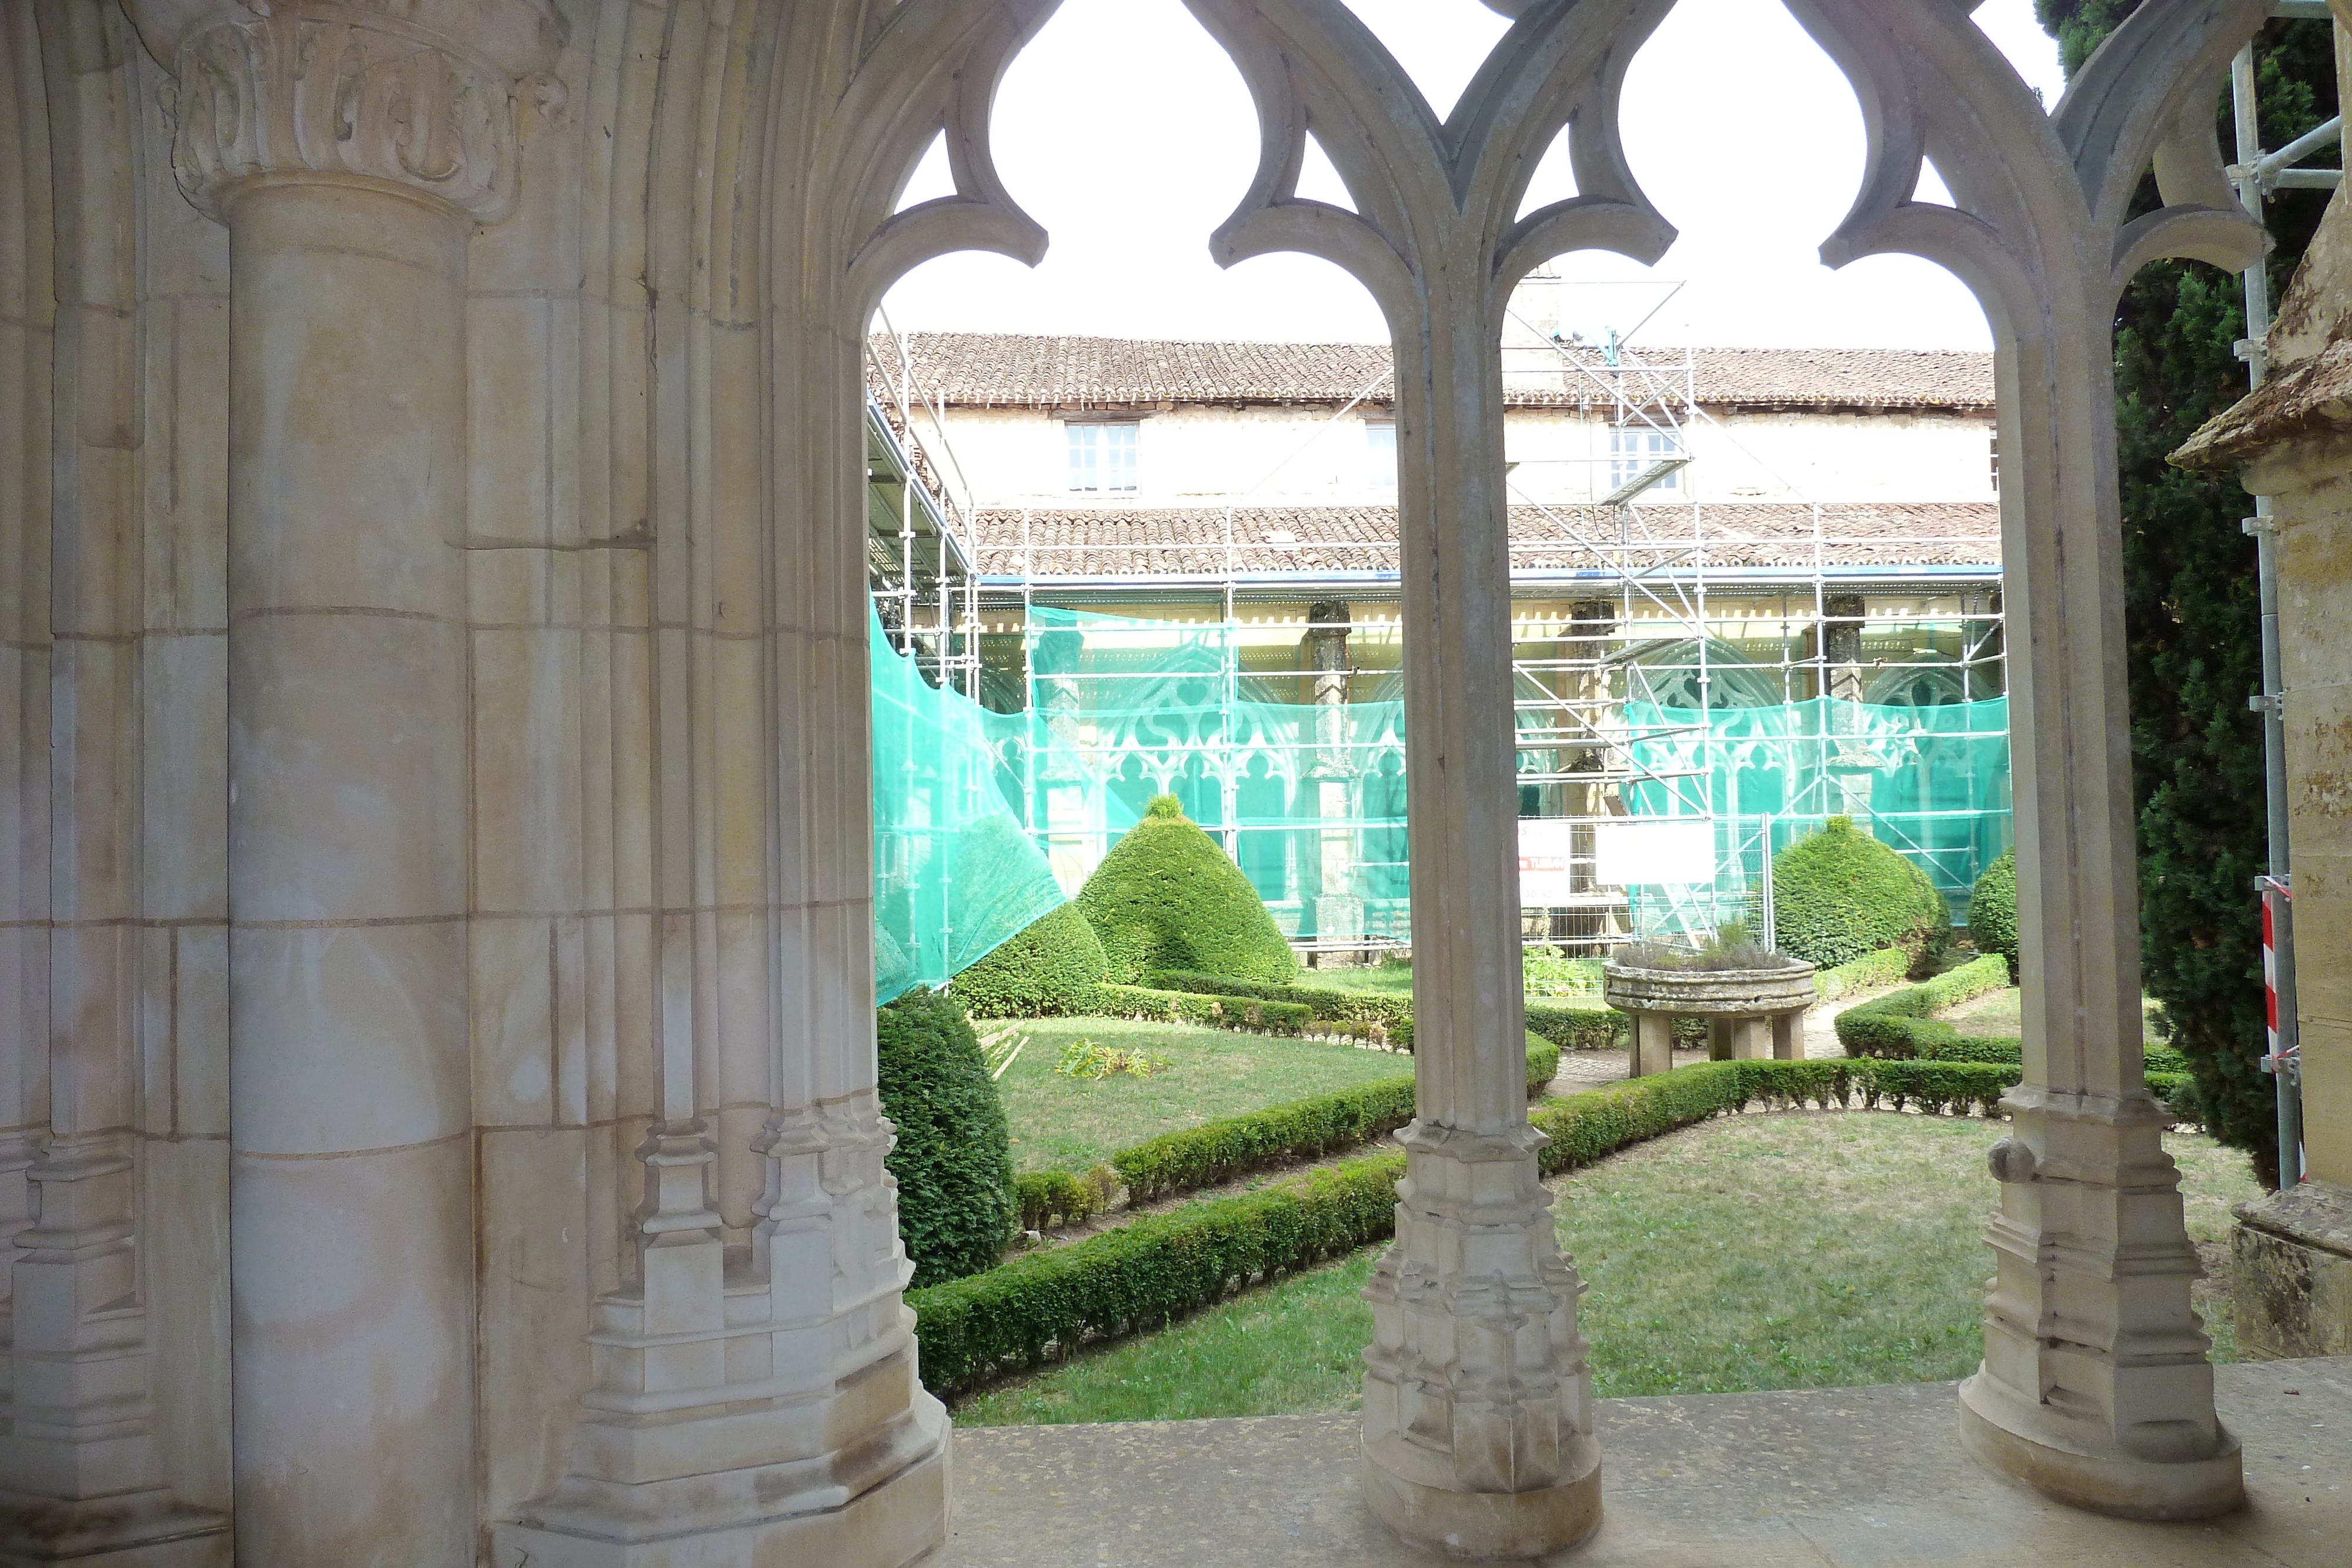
{"x":1088,"y":1059}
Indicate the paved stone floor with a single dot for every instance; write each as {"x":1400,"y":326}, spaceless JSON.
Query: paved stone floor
{"x":1846,"y":1478}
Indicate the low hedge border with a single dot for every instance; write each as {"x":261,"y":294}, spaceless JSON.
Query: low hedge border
{"x":1148,"y":1273}
{"x":1305,"y":1129}
{"x":1218,"y":1011}
{"x":1901,"y":1028}
{"x":1065,"y":1197}
{"x":1361,"y":1015}
{"x":1894,"y":1027}
{"x":1867,"y":973}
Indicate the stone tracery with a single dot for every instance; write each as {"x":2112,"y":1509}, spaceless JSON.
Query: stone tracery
{"x":653,"y":1031}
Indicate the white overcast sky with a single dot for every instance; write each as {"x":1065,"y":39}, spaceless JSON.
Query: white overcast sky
{"x":1126,"y":131}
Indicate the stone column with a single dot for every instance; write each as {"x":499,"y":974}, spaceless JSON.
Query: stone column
{"x":1477,"y":1400}
{"x":1653,"y":1048}
{"x":2096,"y":1386}
{"x":351,"y":1238}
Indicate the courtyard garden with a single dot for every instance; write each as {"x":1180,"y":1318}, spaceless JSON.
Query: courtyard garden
{"x":1871,"y":1270}
{"x":1152,"y":1181}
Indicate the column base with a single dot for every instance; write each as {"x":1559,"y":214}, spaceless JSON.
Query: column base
{"x":2036,"y":1446}
{"x":1482,"y":1525}
{"x":142,"y":1529}
{"x":888,"y":1525}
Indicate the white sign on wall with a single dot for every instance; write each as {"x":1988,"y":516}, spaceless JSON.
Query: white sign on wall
{"x":1544,"y":851}
{"x":1656,"y":850}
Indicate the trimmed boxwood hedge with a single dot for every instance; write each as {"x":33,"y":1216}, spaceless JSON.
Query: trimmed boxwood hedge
{"x":1867,"y":973}
{"x":953,"y":1156}
{"x":1167,"y":896}
{"x":1144,"y":1274}
{"x":1218,"y":1151}
{"x":1063,"y":1197}
{"x":1048,"y":968}
{"x":1181,"y":1007}
{"x":1840,"y":893}
{"x":1363,"y":1015}
{"x":1895,"y":1025}
{"x":1573,"y":1028}
{"x":1992,"y":911}
{"x":1902,"y":1026}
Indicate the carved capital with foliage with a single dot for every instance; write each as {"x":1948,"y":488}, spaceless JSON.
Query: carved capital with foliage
{"x":343,"y":91}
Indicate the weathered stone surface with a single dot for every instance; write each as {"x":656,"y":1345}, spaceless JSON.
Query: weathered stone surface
{"x":2291,"y":1272}
{"x":1702,"y":993}
{"x":435,"y":767}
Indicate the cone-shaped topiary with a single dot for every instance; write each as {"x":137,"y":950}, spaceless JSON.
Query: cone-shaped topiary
{"x":1050,"y":967}
{"x":1840,"y":893}
{"x":1992,"y":911}
{"x":1167,"y":897}
{"x":954,"y":1158}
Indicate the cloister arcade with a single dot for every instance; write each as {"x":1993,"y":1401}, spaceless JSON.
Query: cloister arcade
{"x":438,"y":1120}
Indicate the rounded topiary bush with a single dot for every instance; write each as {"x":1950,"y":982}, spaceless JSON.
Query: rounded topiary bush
{"x":1840,"y":893}
{"x":1168,"y":897}
{"x":1049,"y":968}
{"x":953,"y":1158}
{"x":1992,"y":911}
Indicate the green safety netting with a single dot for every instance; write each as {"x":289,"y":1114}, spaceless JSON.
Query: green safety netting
{"x":1932,"y":782}
{"x":954,"y":872}
{"x":1308,"y":801}
{"x":986,"y":819}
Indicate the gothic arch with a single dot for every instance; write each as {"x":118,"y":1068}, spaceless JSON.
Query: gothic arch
{"x":650,"y":1047}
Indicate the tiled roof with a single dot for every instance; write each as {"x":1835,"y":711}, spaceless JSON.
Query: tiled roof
{"x":1001,"y":370}
{"x":1192,"y":542}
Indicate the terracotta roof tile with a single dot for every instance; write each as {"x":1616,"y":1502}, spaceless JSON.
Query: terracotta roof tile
{"x":996,"y":370}
{"x":1192,"y":541}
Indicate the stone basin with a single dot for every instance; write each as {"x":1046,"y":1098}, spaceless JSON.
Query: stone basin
{"x":1750,"y":1013}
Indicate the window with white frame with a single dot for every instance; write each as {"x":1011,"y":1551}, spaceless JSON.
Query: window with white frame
{"x":1380,"y":454}
{"x":1102,"y":456}
{"x":1635,"y":448}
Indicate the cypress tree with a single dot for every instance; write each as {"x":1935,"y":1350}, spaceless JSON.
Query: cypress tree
{"x":2190,"y":605}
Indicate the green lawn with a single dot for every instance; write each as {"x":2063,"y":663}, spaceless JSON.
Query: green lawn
{"x":1070,"y":1124}
{"x":1788,"y":1251}
{"x":2002,"y":1015}
{"x":1387,"y":979}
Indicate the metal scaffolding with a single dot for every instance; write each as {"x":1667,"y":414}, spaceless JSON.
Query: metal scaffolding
{"x":1642,"y":631}
{"x":2257,"y":175}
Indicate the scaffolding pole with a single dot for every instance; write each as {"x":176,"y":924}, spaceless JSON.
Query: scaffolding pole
{"x":2255,"y":175}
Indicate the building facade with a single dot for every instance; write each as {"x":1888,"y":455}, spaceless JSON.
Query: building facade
{"x":438,"y":1121}
{"x":1749,"y":588}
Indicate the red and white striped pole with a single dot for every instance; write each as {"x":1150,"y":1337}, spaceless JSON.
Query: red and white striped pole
{"x":2282,"y":1060}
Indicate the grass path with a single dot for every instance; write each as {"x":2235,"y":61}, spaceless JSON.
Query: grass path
{"x":1789,"y":1250}
{"x":1072,"y":1124}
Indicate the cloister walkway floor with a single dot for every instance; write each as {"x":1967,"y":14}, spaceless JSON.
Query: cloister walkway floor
{"x":1840,"y":1478}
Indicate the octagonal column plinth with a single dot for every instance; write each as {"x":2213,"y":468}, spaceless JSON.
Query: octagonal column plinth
{"x":1477,"y":1401}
